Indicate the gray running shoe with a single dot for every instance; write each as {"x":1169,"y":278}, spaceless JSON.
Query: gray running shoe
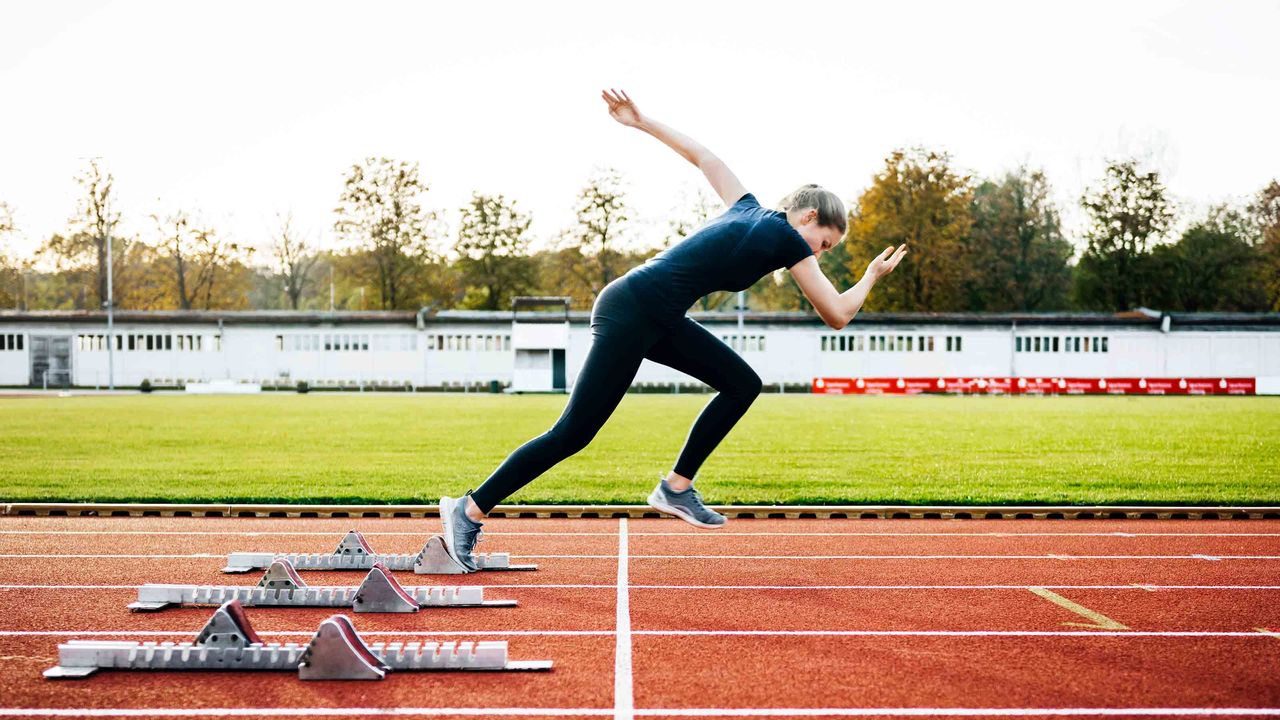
{"x":685,"y":505}
{"x":461,"y":533}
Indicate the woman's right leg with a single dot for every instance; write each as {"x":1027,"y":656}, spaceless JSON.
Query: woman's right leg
{"x":620,"y":336}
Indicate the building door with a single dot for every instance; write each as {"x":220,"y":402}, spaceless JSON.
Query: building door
{"x":50,"y":361}
{"x":557,"y":369}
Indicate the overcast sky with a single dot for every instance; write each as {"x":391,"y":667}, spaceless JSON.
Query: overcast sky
{"x":242,"y":110}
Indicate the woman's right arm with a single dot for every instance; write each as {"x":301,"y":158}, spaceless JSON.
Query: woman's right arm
{"x":836,"y":308}
{"x":722,"y":179}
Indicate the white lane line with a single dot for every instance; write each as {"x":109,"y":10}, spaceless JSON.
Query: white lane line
{"x":1148,"y":588}
{"x":282,"y":533}
{"x":645,"y":712}
{"x":708,"y":536}
{"x":720,"y":534}
{"x":946,"y":557}
{"x":47,"y":556}
{"x":957,"y":712}
{"x":306,"y":633}
{"x":407,"y":583}
{"x":684,"y":633}
{"x":623,"y":688}
{"x":791,"y":588}
{"x":952,"y":633}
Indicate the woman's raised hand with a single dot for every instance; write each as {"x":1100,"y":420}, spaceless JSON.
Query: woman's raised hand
{"x":621,"y":107}
{"x":886,"y":261}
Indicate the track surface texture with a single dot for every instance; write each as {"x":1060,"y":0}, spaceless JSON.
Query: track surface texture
{"x":652,"y":618}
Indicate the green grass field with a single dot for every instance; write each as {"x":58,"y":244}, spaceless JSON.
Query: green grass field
{"x":788,"y":449}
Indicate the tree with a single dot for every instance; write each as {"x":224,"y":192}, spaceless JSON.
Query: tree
{"x":1017,"y":255}
{"x":82,"y":251}
{"x":10,"y":267}
{"x":204,"y":270}
{"x":294,"y":260}
{"x":493,"y":246}
{"x":1210,"y":268}
{"x":591,"y":253}
{"x":1128,"y":211}
{"x":1264,"y":212}
{"x":917,"y":199}
{"x":380,"y":213}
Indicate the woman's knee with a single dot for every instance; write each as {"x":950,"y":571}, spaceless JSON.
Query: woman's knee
{"x":568,"y":439}
{"x":746,"y":385}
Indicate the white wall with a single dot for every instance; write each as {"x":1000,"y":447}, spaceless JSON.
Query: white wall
{"x":791,"y":353}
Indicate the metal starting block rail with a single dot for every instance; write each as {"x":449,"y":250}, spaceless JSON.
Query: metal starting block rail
{"x":335,"y":652}
{"x":354,"y":553}
{"x":281,"y":587}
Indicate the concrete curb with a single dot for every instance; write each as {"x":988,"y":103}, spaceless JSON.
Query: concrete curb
{"x":873,"y":512}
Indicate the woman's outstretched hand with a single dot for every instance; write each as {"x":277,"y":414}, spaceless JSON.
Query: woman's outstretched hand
{"x":886,"y":261}
{"x":621,"y":107}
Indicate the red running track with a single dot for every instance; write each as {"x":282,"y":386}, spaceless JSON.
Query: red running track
{"x":769,"y":618}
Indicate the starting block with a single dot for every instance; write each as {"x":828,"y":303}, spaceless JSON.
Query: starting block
{"x":354,"y":553}
{"x":335,"y":652}
{"x":281,"y":587}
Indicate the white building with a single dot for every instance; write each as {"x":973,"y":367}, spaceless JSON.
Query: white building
{"x":457,"y":348}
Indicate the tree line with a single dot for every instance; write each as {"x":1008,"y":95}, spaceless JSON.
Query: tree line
{"x":990,"y":244}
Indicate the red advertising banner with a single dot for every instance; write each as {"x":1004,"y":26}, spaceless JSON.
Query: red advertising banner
{"x":1035,"y":386}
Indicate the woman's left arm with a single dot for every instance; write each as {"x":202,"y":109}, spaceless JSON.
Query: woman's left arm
{"x":722,"y":179}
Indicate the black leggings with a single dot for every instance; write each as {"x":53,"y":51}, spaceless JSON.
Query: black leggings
{"x":623,"y":334}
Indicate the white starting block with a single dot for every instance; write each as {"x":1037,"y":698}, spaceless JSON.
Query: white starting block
{"x":281,"y":587}
{"x":354,"y":553}
{"x":335,"y":652}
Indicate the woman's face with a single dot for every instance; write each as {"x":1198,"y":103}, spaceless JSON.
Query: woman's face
{"x":820,"y":239}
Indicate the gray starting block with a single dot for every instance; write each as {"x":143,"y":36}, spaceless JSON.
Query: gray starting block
{"x":281,"y":587}
{"x":335,"y":652}
{"x":354,"y":553}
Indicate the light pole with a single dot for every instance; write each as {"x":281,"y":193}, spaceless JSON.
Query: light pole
{"x":111,"y":343}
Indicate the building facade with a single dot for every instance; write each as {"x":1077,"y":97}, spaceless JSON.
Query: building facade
{"x":455,"y":349}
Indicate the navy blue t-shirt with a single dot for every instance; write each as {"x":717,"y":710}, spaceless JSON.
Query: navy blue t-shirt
{"x":731,"y":252}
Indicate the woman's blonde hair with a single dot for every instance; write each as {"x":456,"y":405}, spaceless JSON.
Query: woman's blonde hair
{"x":830,"y":207}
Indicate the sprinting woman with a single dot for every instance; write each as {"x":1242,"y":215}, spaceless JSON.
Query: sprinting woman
{"x":642,"y":315}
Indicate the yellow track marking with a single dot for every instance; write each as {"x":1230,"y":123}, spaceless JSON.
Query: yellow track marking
{"x":1099,"y":621}
{"x":1269,"y":632}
